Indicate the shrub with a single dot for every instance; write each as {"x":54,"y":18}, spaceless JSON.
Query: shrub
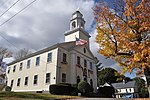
{"x":7,"y":88}
{"x":84,"y":87}
{"x":62,"y":89}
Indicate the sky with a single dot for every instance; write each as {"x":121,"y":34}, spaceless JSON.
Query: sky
{"x":44,"y":23}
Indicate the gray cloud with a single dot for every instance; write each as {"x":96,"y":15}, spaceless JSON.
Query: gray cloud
{"x":44,"y":24}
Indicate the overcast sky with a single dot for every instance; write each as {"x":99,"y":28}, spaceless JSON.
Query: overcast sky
{"x":44,"y":23}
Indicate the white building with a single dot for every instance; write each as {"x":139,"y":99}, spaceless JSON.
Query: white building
{"x":126,"y":89}
{"x":62,"y":62}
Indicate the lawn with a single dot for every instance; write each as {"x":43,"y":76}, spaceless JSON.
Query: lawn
{"x":28,"y":95}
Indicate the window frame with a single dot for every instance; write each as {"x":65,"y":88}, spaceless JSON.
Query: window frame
{"x":47,"y":80}
{"x":91,"y":65}
{"x":12,"y":83}
{"x":37,"y":63}
{"x":14,"y":68}
{"x":28,"y":63}
{"x":21,"y":66}
{"x":63,"y":79}
{"x":49,"y":57}
{"x":64,"y":58}
{"x":78,"y":60}
{"x":35,"y":81}
{"x":26,"y":81}
{"x":18,"y":81}
{"x":85,"y":63}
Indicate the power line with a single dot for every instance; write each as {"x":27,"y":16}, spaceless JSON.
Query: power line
{"x":10,"y":19}
{"x":17,"y":13}
{"x":9,"y":8}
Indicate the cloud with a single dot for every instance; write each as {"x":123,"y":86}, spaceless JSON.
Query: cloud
{"x":44,"y":23}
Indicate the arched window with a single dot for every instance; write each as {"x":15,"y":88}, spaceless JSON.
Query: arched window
{"x":78,"y":79}
{"x":73,"y":24}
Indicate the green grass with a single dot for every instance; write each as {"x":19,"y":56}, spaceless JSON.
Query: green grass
{"x":28,"y":95}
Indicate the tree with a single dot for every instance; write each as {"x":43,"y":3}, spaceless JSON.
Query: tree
{"x":4,"y":53}
{"x":22,"y":53}
{"x":143,"y":92}
{"x":107,"y":75}
{"x":124,"y":33}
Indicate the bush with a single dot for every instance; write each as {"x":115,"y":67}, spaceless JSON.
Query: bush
{"x":62,"y":89}
{"x":7,"y":88}
{"x":84,"y":87}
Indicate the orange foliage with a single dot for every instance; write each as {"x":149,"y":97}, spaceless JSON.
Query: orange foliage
{"x":124,"y":32}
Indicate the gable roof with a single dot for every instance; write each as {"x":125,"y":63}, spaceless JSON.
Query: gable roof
{"x":121,"y":85}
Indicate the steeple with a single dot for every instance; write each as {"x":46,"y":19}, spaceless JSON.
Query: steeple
{"x":77,"y":20}
{"x":77,"y":25}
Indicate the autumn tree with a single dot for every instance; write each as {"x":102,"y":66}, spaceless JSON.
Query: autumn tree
{"x":124,"y":33}
{"x":22,"y":53}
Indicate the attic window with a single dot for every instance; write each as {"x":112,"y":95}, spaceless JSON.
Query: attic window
{"x":84,"y":50}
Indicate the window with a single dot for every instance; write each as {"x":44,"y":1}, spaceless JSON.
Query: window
{"x":47,"y":78}
{"x":35,"y":79}
{"x":85,"y":63}
{"x":84,"y":50}
{"x":8,"y":70}
{"x":78,"y":79}
{"x":64,"y":57}
{"x":78,"y":60}
{"x":26,"y":81}
{"x":18,"y":82}
{"x":11,"y":85}
{"x":90,"y":65}
{"x":37,"y":61}
{"x":14,"y":68}
{"x":28,"y":64}
{"x":21,"y":64}
{"x":82,"y":25}
{"x":63,"y":77}
{"x":49,"y":57}
{"x":73,"y":25}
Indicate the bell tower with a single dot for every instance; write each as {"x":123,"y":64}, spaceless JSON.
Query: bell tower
{"x":77,"y":21}
{"x":77,"y":28}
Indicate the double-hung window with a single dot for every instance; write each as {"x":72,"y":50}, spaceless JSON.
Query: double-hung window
{"x":90,"y":65}
{"x":28,"y":64}
{"x":21,"y":65}
{"x":78,"y":60}
{"x":35,"y":79}
{"x":14,"y":68}
{"x":18,"y":82}
{"x":49,"y":57}
{"x":47,"y":78}
{"x":64,"y":57}
{"x":26,"y":81}
{"x":37,"y":61}
{"x":85,"y":63}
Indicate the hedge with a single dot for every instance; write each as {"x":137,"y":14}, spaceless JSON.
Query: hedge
{"x":62,"y":89}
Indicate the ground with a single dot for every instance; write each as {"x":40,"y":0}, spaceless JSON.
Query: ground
{"x":26,"y":95}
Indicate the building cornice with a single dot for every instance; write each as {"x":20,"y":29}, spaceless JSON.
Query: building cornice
{"x":75,"y":30}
